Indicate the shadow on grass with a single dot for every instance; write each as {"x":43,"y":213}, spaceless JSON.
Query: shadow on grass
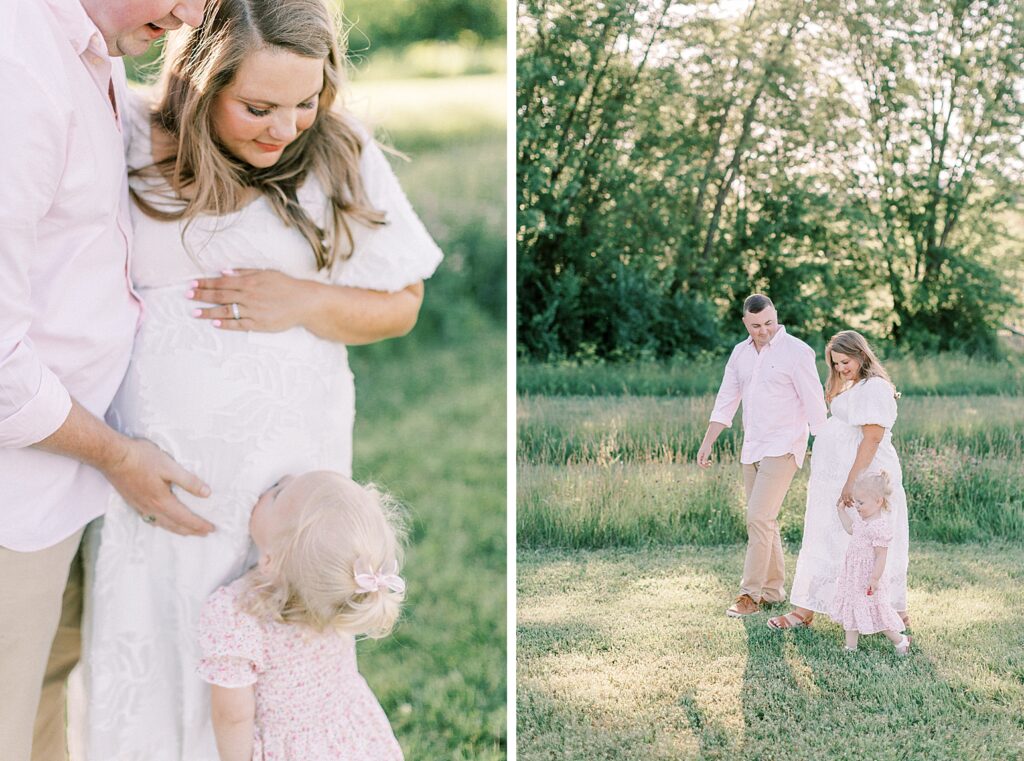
{"x":645,"y":665}
{"x":536,"y":639}
{"x":803,"y":694}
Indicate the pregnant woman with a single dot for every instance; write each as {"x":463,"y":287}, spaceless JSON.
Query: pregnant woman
{"x":856,"y":439}
{"x":270,"y":232}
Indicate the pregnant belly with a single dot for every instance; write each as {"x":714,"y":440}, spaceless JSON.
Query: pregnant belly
{"x":225,"y":402}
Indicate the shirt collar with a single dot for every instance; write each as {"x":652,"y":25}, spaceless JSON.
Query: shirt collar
{"x":82,"y":32}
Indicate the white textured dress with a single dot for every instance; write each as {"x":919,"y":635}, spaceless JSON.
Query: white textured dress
{"x":238,"y":409}
{"x":869,"y":402}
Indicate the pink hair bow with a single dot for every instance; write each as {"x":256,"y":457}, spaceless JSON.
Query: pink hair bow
{"x":368,"y":580}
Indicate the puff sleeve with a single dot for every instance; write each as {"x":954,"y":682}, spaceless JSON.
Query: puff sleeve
{"x":872,"y":403}
{"x":397,"y":254}
{"x":881,"y":533}
{"x":230,"y":641}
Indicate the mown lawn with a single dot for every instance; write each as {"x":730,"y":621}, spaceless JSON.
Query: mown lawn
{"x":430,"y":426}
{"x":626,"y":655}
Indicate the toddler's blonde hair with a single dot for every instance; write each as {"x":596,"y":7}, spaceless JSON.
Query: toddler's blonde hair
{"x":877,"y":484}
{"x":341,"y":529}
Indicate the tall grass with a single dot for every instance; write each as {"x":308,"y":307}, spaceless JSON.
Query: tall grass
{"x":619,"y":471}
{"x":560,"y":430}
{"x":946,"y":375}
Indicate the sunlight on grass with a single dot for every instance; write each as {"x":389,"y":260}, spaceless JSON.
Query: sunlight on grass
{"x":620,"y":471}
{"x":637,"y":661}
{"x":415,"y":109}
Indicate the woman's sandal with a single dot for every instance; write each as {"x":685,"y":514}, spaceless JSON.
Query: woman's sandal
{"x":780,"y":623}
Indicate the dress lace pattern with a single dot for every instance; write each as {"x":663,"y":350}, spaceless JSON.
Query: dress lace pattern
{"x":869,"y":402}
{"x":238,"y":409}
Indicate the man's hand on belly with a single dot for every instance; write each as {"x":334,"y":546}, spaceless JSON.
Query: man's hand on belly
{"x":143,"y":477}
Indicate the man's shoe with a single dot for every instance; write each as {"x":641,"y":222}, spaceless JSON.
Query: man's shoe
{"x":744,"y":606}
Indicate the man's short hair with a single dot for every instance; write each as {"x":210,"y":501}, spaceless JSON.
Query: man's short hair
{"x":757,"y":303}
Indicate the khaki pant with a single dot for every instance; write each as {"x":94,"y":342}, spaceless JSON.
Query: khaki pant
{"x":40,"y":640}
{"x":764,"y":570}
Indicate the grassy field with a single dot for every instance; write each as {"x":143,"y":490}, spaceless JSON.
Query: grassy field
{"x":431,"y":424}
{"x":629,"y":554}
{"x":620,"y":471}
{"x":627,"y":656}
{"x":418,"y":112}
{"x":948,"y":375}
{"x":453,"y":133}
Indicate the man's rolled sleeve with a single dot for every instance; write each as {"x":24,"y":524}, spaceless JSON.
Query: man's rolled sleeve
{"x":34,"y":401}
{"x":729,"y":394}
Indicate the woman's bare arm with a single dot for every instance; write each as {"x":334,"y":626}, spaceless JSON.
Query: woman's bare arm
{"x":270,"y":301}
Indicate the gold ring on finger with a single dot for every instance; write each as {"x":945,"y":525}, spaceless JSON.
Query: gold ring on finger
{"x":150,"y":519}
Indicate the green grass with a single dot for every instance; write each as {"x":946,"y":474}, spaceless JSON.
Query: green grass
{"x":607,"y":429}
{"x":428,"y":112}
{"x":626,"y":656}
{"x":430,"y":58}
{"x":430,"y":426}
{"x":619,"y":471}
{"x":454,"y":134}
{"x":948,"y":375}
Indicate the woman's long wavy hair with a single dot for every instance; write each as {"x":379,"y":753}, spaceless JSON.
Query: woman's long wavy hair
{"x":206,"y":179}
{"x":852,"y":344}
{"x":309,"y":577}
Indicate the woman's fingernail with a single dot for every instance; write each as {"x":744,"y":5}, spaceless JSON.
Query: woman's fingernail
{"x":216,"y":323}
{"x":197,"y":312}
{"x":228,"y":272}
{"x":194,"y":284}
{"x":190,"y":294}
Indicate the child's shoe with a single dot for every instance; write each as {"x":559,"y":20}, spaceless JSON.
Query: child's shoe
{"x":903,"y":647}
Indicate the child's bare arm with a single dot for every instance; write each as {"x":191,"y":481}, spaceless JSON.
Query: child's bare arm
{"x":233,"y":710}
{"x":876,"y":572}
{"x":844,"y":518}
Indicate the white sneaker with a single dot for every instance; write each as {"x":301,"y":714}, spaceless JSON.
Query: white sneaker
{"x":903,"y":647}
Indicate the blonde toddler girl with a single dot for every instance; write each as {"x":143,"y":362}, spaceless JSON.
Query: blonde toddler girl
{"x":861,"y":603}
{"x":278,"y":644}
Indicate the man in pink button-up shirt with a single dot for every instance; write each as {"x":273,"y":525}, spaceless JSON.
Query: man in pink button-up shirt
{"x":774,"y":375}
{"x":67,"y":320}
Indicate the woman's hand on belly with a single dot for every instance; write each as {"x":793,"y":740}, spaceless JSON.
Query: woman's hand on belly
{"x":270,"y":301}
{"x":266,"y":301}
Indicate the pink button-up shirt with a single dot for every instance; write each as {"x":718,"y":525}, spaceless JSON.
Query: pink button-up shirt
{"x":67,"y":311}
{"x":781,"y":394}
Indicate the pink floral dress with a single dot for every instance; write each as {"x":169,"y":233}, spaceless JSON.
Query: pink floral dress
{"x":311,"y":702}
{"x":852,"y":606}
